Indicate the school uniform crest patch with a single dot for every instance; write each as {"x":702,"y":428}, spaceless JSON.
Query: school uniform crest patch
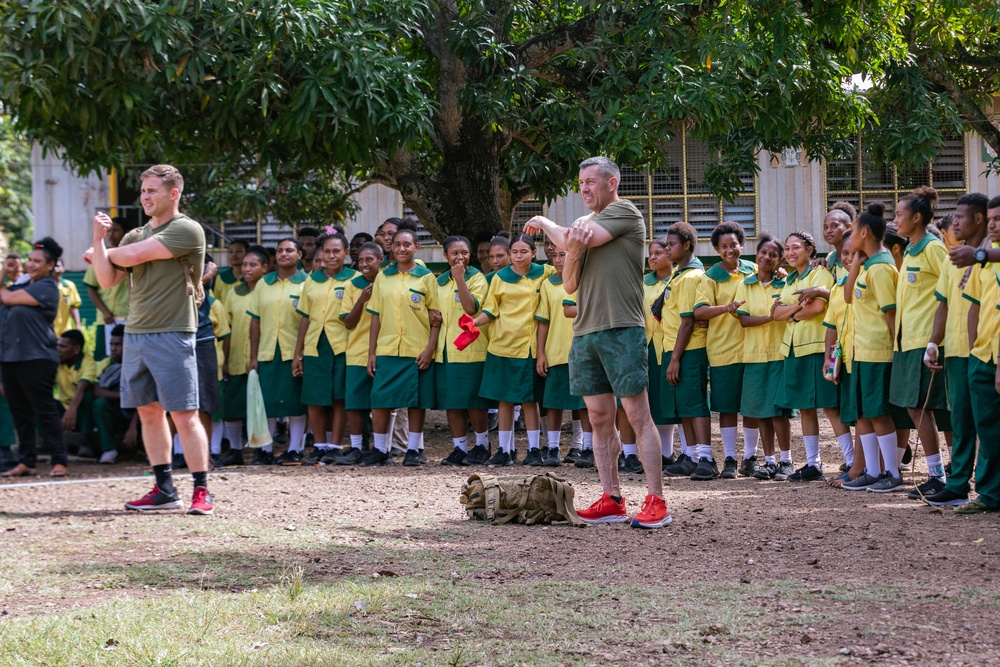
{"x":857,"y":293}
{"x":415,"y":298}
{"x":911,"y":277}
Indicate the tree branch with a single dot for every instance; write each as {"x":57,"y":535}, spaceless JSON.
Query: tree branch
{"x":969,"y":109}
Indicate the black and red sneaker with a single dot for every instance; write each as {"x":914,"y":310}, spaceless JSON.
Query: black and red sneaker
{"x":201,"y":502}
{"x":154,"y":500}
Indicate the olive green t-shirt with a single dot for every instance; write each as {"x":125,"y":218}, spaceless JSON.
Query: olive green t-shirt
{"x":158,"y":296}
{"x":610,"y":287}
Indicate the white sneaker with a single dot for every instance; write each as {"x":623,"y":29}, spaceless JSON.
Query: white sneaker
{"x":109,"y":456}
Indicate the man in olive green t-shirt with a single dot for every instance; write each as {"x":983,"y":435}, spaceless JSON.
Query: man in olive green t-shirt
{"x":604,"y":266}
{"x":163,"y":262}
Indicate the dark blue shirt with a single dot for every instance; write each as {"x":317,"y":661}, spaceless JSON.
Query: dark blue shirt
{"x":26,"y":332}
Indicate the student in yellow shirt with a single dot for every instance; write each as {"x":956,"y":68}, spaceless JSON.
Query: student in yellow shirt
{"x":871,"y":292}
{"x":983,"y":290}
{"x":910,"y":385}
{"x":510,"y":375}
{"x":835,"y":224}
{"x":684,"y":396}
{"x":68,"y":315}
{"x":803,"y":387}
{"x":273,"y":333}
{"x":319,"y":357}
{"x":499,"y":256}
{"x":234,"y":392}
{"x":458,"y":373}
{"x":357,"y":321}
{"x":949,"y":343}
{"x":653,"y":285}
{"x":717,"y":305}
{"x":76,"y":372}
{"x":231,"y":276}
{"x":401,"y":347}
{"x":762,"y":360}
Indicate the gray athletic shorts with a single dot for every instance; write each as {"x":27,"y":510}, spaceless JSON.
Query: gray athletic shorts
{"x":160,"y":367}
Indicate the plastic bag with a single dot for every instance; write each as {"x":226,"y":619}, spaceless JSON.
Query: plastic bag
{"x":258,"y":434}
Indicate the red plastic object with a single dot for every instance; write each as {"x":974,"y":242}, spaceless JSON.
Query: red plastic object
{"x":469,"y":332}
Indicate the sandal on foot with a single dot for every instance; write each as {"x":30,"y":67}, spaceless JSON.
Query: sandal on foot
{"x":837,"y":481}
{"x":58,"y":470}
{"x":20,"y":470}
{"x":974,"y":507}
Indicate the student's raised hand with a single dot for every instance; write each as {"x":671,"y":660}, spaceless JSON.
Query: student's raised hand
{"x":674,"y":371}
{"x":371,"y":365}
{"x":366,"y":293}
{"x":423,"y":359}
{"x":542,"y":365}
{"x":458,"y":270}
{"x":819,"y":261}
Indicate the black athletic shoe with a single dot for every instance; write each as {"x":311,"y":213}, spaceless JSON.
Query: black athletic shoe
{"x":422,"y":456}
{"x":748,"y":466}
{"x":944,"y":497}
{"x":707,"y":469}
{"x":632,"y":464}
{"x":289,"y":458}
{"x":500,"y":460}
{"x":621,"y":461}
{"x":177,"y":462}
{"x":785,"y":469}
{"x":374,"y":458}
{"x":683,"y":468}
{"x":492,"y":421}
{"x":585,"y":459}
{"x":534,"y":458}
{"x":728,"y":468}
{"x":348,"y":457}
{"x":571,"y":455}
{"x":262,"y":458}
{"x":456,"y":458}
{"x":395,"y":452}
{"x":316,"y":456}
{"x":231,"y":457}
{"x":411,"y":458}
{"x":666,"y":462}
{"x":932,"y":486}
{"x":765,"y":471}
{"x":281,"y":433}
{"x":551,"y":459}
{"x":477,"y":456}
{"x":807,"y":473}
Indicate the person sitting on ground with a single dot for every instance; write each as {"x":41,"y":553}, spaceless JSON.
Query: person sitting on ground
{"x":107,"y":413}
{"x":76,"y":373}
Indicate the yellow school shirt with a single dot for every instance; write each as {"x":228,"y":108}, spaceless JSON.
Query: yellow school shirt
{"x":552,"y":298}
{"x":838,"y":318}
{"x":322,"y":300}
{"x":220,"y":328}
{"x":115,"y":298}
{"x":69,"y":297}
{"x":956,"y":328}
{"x":678,"y":302}
{"x":760,"y":344}
{"x":511,"y":303}
{"x":85,"y":369}
{"x":874,"y":293}
{"x":809,"y":336}
{"x":239,"y":320}
{"x":402,"y":302}
{"x":274,"y":303}
{"x":652,"y":288}
{"x":983,"y":289}
{"x":724,"y":342}
{"x":835,"y":265}
{"x":451,"y":310}
{"x":225,"y":283}
{"x":923,"y":263}
{"x":357,"y":338}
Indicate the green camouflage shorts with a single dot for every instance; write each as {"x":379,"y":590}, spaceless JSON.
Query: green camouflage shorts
{"x":613,"y":361}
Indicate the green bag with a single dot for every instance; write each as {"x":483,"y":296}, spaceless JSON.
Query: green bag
{"x":258,"y":434}
{"x":529,"y":500}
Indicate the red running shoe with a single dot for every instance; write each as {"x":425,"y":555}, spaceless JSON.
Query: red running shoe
{"x":654,"y":513}
{"x":201,"y":503}
{"x":154,"y":500}
{"x":605,"y":510}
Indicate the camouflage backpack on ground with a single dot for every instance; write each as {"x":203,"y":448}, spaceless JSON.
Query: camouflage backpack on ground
{"x":527,"y":499}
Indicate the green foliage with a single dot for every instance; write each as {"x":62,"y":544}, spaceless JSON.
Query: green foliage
{"x":16,"y":221}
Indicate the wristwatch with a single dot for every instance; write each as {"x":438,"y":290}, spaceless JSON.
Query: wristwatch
{"x":980,"y":256}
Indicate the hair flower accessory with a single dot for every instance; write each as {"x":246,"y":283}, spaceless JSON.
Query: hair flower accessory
{"x":330,"y":230}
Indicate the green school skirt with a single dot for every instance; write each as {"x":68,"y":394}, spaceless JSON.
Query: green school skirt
{"x":399,"y":383}
{"x":911,"y":383}
{"x":358,"y":394}
{"x":234,"y":398}
{"x":557,"y":396}
{"x":456,"y":385}
{"x":317,"y":375}
{"x":220,"y":413}
{"x":688,"y":398}
{"x":657,"y":377}
{"x":282,"y":392}
{"x":803,"y":386}
{"x":869,"y":390}
{"x":848,"y":408}
{"x":509,"y":380}
{"x":725,"y":386}
{"x":761,"y":383}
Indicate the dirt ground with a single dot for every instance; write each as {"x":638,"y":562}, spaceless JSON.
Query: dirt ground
{"x":849,"y":577}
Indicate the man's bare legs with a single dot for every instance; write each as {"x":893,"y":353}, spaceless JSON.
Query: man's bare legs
{"x":607,"y":445}
{"x":647,"y":440}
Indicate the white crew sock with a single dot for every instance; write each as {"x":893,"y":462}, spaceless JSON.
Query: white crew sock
{"x":215,"y":446}
{"x":506,"y":441}
{"x":356,"y":441}
{"x":413,"y":441}
{"x":177,"y":444}
{"x":729,"y":441}
{"x":812,"y":450}
{"x":935,"y":466}
{"x":887,"y":445}
{"x":234,"y":434}
{"x":869,"y":445}
{"x":297,"y":433}
{"x":704,"y":452}
{"x":483,"y":439}
{"x":577,"y":434}
{"x":666,"y":432}
{"x":588,"y":441}
{"x":554,"y":439}
{"x":461,"y":443}
{"x":769,"y":459}
{"x":629,"y":449}
{"x":786,"y":456}
{"x":381,"y":441}
{"x":751,"y":436}
{"x":533,"y":438}
{"x":846,"y":443}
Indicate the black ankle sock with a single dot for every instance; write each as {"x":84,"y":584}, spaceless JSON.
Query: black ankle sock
{"x":165,"y":479}
{"x":617,"y":499}
{"x":200,"y":478}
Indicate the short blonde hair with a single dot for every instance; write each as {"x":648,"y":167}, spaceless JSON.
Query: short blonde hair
{"x":166,"y":173}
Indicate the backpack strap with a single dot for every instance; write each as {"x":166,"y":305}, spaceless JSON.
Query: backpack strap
{"x":491,"y":494}
{"x":192,"y":289}
{"x":563,"y":495}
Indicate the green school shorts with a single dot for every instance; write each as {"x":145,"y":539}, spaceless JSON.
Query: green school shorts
{"x":870,"y":389}
{"x":613,"y":361}
{"x":688,"y":398}
{"x":725,"y":387}
{"x":657,"y":377}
